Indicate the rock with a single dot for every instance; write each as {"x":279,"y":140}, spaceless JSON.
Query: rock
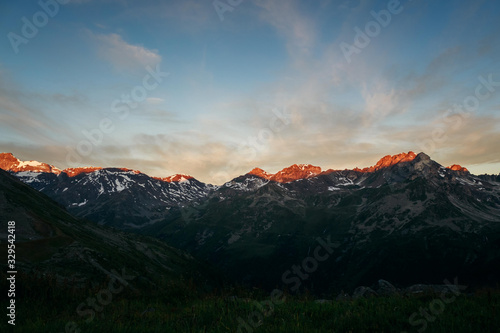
{"x":343,"y":296}
{"x":386,"y":288}
{"x":363,"y":292}
{"x":433,"y":288}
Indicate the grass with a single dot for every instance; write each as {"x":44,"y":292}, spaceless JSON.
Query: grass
{"x":45,"y":306}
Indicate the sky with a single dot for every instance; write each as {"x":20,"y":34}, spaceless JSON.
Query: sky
{"x":215,"y":88}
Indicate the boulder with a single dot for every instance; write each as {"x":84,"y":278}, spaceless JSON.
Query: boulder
{"x":386,"y":288}
{"x":363,"y":292}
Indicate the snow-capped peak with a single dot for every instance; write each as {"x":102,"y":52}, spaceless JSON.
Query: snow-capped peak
{"x":178,"y":178}
{"x":9,"y":162}
{"x":289,"y":174}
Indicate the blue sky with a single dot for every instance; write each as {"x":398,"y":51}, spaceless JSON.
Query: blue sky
{"x":401,"y":85}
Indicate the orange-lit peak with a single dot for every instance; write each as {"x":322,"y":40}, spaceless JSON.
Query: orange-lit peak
{"x":72,"y":172}
{"x":289,"y":174}
{"x":390,"y":160}
{"x":9,"y":162}
{"x":178,"y":178}
{"x":260,"y":173}
{"x":295,"y":172}
{"x":456,"y":167}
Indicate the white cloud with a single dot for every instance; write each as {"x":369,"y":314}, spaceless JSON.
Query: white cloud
{"x":379,"y":103}
{"x":154,"y":100}
{"x":125,"y":56}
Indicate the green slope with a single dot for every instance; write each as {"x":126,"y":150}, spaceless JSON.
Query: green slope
{"x":51,"y":241}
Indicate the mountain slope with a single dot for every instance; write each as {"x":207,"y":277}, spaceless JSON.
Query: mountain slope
{"x":407,"y":219}
{"x":122,"y":198}
{"x":412,"y":221}
{"x":51,"y":241}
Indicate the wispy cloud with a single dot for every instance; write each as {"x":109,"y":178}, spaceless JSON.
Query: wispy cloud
{"x":23,"y":114}
{"x":124,"y":56}
{"x":297,"y":29}
{"x":155,"y":100}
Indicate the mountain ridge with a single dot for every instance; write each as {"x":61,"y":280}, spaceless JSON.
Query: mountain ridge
{"x":9,"y":162}
{"x":443,"y":221}
{"x":52,"y":241}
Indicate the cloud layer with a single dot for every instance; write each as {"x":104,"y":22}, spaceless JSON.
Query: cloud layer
{"x":215,"y":116}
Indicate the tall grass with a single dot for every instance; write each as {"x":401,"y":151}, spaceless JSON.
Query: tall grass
{"x":46,"y":304}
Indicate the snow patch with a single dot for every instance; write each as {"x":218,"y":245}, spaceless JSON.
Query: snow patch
{"x":28,"y":163}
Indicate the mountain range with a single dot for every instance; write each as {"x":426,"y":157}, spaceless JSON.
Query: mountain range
{"x":51,"y":242}
{"x":406,"y":219}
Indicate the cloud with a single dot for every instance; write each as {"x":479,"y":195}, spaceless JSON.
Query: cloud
{"x":154,"y":100}
{"x":205,"y":157}
{"x":24,"y":114}
{"x":379,"y":103}
{"x":297,"y":29}
{"x":452,"y":139}
{"x":124,"y":56}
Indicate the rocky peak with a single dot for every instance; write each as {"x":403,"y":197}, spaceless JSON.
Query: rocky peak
{"x":295,"y":172}
{"x":390,"y":160}
{"x":178,"y":178}
{"x":260,"y":173}
{"x":72,"y":172}
{"x":456,"y":167}
{"x":9,"y":162}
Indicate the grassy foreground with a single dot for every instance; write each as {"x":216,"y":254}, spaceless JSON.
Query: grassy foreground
{"x":44,"y":306}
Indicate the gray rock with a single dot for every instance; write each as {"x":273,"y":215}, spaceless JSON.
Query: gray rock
{"x":386,"y":288}
{"x":363,"y":292}
{"x":433,"y":288}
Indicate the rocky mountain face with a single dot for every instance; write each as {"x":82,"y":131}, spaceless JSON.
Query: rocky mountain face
{"x":406,"y":219}
{"x":389,"y":160}
{"x":118,"y":197}
{"x":411,"y":221}
{"x":9,"y":162}
{"x":51,"y":241}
